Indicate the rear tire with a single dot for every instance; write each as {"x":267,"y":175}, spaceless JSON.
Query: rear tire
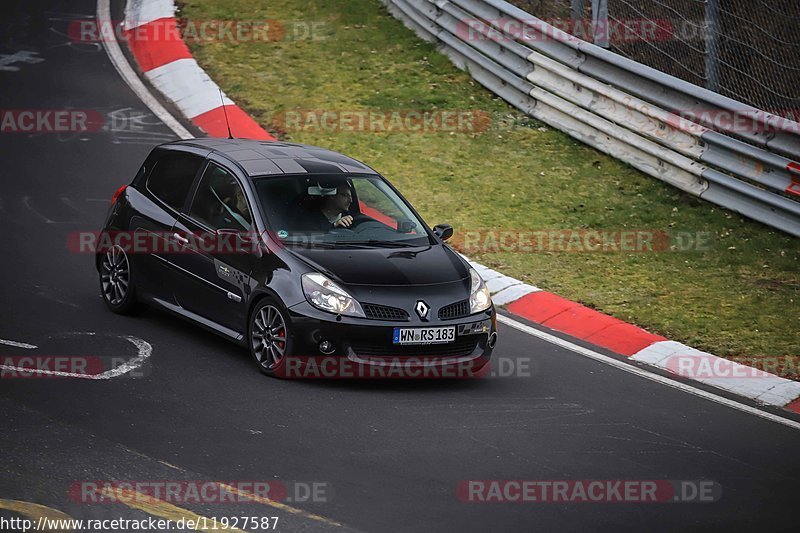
{"x":269,"y":336}
{"x":117,"y":285}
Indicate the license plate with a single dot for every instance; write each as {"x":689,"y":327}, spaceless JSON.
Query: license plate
{"x":424,"y":335}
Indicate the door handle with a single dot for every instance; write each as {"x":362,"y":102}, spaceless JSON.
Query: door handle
{"x":182,"y":240}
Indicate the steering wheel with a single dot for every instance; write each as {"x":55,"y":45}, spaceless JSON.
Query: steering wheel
{"x":362,"y":223}
{"x":359,"y":219}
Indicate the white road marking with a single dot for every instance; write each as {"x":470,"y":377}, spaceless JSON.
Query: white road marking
{"x":69,"y":203}
{"x":19,"y":344}
{"x":23,"y":56}
{"x":622,"y":365}
{"x":143,"y":348}
{"x":26,"y":201}
{"x":129,"y":76}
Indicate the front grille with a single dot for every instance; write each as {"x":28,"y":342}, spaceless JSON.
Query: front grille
{"x":383,"y":312}
{"x":461,"y":347}
{"x":456,"y":310}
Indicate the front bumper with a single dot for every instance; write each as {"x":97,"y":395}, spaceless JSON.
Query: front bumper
{"x":368,"y":343}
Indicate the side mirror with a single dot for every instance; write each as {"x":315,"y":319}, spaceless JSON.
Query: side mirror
{"x":242,"y":236}
{"x":443,"y":231}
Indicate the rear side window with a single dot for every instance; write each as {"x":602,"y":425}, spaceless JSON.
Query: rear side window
{"x":173,"y":176}
{"x":220,"y":201}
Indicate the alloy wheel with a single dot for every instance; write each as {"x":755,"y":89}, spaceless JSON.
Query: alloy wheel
{"x":115,"y":275}
{"x":268,"y":337}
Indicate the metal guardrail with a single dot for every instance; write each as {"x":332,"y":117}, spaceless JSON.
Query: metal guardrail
{"x":654,"y":122}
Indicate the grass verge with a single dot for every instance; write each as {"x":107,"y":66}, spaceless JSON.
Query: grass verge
{"x":735,"y":296}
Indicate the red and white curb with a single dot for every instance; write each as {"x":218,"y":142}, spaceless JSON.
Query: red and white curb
{"x":169,"y":66}
{"x":151,"y":31}
{"x":581,"y":322}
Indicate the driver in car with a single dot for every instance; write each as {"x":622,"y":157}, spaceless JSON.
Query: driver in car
{"x":336,"y":208}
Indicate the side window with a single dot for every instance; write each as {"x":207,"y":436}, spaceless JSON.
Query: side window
{"x":375,"y":201}
{"x":220,"y":202}
{"x":172,"y":177}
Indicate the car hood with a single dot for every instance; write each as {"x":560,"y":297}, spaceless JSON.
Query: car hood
{"x":424,"y":265}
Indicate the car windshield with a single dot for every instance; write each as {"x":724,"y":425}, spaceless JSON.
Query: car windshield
{"x":338,"y":210}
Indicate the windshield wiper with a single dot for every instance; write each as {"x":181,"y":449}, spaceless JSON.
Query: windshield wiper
{"x":388,"y":244}
{"x":373,"y":243}
{"x":311,"y":244}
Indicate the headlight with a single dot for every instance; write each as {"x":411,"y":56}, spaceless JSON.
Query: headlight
{"x":479,"y":297}
{"x":328,"y":296}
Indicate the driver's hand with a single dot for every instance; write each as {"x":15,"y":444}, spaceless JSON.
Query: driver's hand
{"x":344,"y":222}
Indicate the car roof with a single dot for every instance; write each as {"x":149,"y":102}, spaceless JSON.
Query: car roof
{"x":265,"y":158}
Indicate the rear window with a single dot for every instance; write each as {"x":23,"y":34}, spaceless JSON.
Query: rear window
{"x":137,"y":180}
{"x":173,"y":176}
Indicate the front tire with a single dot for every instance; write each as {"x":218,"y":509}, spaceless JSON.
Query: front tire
{"x":269,"y":336}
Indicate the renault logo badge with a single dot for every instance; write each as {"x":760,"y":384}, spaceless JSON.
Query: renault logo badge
{"x":422,"y":309}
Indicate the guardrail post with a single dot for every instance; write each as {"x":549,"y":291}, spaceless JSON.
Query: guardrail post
{"x":577,"y":11}
{"x":712,"y":45}
{"x":600,"y":22}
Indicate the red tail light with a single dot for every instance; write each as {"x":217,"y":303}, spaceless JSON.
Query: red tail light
{"x":116,"y":194}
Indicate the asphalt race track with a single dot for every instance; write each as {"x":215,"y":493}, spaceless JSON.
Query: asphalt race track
{"x":390,"y":454}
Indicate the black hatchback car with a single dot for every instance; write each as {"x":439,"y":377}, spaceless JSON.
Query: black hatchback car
{"x":296,"y":252}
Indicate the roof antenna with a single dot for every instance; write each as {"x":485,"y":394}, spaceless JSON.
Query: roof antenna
{"x":225,"y":111}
